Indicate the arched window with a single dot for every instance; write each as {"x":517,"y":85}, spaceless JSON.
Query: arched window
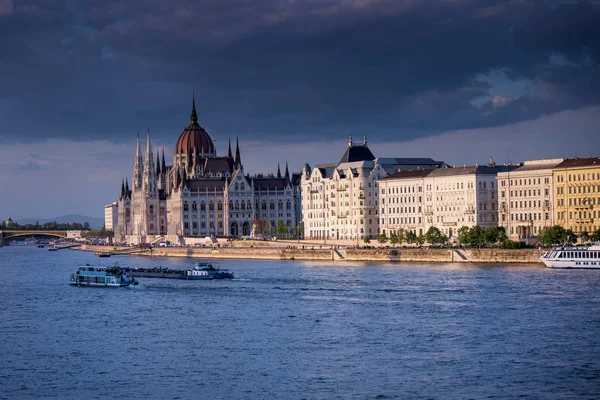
{"x":272,"y":205}
{"x":243,"y":206}
{"x":194,"y":206}
{"x":185,"y":206}
{"x":211,"y":206}
{"x":264,"y":205}
{"x":288,"y":205}
{"x":219,"y":205}
{"x":237,"y":205}
{"x":202,"y":206}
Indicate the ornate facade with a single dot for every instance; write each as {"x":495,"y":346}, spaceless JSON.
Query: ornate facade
{"x":526,"y":204}
{"x":202,"y":194}
{"x":577,"y":194}
{"x":341,"y":201}
{"x":447,"y":198}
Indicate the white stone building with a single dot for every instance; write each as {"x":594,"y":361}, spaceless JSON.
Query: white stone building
{"x":201,"y":194}
{"x":447,"y":198}
{"x":341,"y":201}
{"x":526,"y":198}
{"x":111,"y":217}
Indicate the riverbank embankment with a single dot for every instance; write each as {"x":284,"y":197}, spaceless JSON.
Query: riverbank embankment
{"x":314,"y":253}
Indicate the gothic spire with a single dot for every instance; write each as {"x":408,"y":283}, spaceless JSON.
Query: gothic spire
{"x":229,"y":149}
{"x":138,"y":166}
{"x":278,"y":171}
{"x":149,"y":178}
{"x":122,"y":188}
{"x":157,"y":164}
{"x":194,"y":116}
{"x":163,"y":167}
{"x":126,"y":187}
{"x":287,"y":172}
{"x":238,"y":159}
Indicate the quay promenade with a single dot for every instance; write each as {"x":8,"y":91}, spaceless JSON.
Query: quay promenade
{"x":316,"y":252}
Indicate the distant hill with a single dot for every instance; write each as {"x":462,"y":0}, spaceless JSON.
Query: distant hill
{"x":95,"y":223}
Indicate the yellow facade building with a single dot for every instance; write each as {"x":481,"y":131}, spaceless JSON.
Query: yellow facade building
{"x":577,"y":194}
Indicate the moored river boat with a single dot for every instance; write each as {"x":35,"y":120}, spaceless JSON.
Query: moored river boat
{"x":581,"y":257}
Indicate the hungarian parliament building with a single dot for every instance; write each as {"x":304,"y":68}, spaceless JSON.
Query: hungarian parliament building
{"x":202,"y":194}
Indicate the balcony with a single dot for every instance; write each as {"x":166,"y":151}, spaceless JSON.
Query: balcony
{"x":470,"y":211}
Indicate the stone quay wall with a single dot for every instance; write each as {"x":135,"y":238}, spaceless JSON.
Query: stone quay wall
{"x":337,"y":254}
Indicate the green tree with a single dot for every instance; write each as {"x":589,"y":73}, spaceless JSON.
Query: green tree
{"x":300,"y":229}
{"x":401,"y":237}
{"x":281,"y":228}
{"x":595,"y":236}
{"x":420,"y":240}
{"x":411,"y":237}
{"x":393,"y":239}
{"x":585,"y":236}
{"x":463,"y":235}
{"x":86,"y":226}
{"x":367,"y":239}
{"x":382,"y":238}
{"x":435,"y":236}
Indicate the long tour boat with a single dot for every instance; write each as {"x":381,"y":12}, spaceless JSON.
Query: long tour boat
{"x":102,"y":277}
{"x":583,"y":257}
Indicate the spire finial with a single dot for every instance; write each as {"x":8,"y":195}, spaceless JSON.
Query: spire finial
{"x":194,"y":116}
{"x":365,"y":140}
{"x":238,"y":159}
{"x":287,"y":173}
{"x":350,"y":141}
{"x":278,"y":171}
{"x":229,"y":149}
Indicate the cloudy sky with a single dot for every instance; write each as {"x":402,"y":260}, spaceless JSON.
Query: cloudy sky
{"x":455,"y":80}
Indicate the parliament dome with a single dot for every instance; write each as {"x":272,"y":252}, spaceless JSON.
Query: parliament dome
{"x":194,"y":137}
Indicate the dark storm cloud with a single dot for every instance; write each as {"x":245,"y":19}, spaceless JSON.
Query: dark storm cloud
{"x":303,"y":69}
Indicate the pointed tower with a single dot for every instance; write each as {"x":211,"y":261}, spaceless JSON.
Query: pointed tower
{"x":149,"y":178}
{"x":126,"y":188}
{"x":194,"y":116}
{"x":278,"y":171}
{"x":138,"y":166}
{"x":287,"y":173}
{"x":229,"y":150}
{"x":238,"y":159}
{"x":163,"y":167}
{"x":122,"y":189}
{"x":157,"y":165}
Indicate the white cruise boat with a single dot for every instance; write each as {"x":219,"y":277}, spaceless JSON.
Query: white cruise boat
{"x":584,"y":257}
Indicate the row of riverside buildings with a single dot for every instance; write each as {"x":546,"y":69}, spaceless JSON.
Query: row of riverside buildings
{"x":205,"y":194}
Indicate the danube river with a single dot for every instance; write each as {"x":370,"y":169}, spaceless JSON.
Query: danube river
{"x":298,"y":330}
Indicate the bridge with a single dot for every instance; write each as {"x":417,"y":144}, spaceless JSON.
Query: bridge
{"x":6,"y":235}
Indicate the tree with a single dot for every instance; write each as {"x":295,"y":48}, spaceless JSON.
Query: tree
{"x":463,"y":235}
{"x":86,"y":226}
{"x":555,"y":235}
{"x":300,"y":229}
{"x":491,"y":235}
{"x":585,"y":236}
{"x":393,"y":239}
{"x":382,"y":238}
{"x":420,"y":240}
{"x":367,"y":239}
{"x":411,"y":237}
{"x":400,"y":236}
{"x":595,"y":236}
{"x":281,"y":228}
{"x":435,"y":236}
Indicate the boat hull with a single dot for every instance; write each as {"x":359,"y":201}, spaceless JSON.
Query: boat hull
{"x":560,"y":264}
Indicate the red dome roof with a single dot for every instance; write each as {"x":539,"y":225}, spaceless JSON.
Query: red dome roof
{"x":194,"y":137}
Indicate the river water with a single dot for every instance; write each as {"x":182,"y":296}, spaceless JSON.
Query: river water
{"x":298,"y":330}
